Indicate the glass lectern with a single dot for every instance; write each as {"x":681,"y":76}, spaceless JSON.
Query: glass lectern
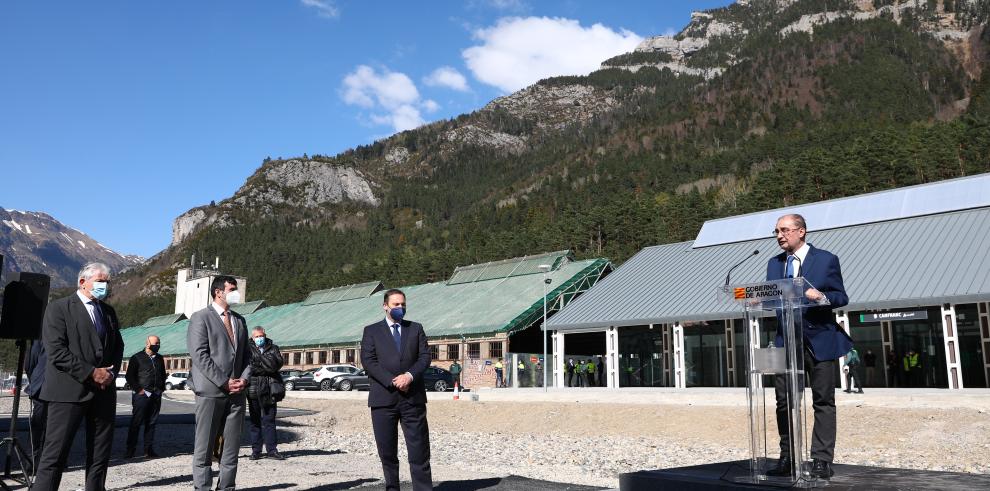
{"x":786,"y":299}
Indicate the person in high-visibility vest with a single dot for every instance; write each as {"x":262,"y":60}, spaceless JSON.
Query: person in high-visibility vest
{"x":569,"y":373}
{"x":582,"y":371}
{"x":499,"y":372}
{"x":912,"y":369}
{"x":590,"y":367}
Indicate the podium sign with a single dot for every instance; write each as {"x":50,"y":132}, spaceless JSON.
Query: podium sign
{"x":786,"y":300}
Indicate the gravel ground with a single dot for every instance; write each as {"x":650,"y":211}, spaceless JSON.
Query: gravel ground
{"x":574,"y":441}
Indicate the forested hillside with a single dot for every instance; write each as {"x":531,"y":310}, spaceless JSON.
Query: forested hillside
{"x":634,"y":158}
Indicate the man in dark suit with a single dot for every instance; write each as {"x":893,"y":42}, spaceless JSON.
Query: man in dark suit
{"x":395,"y":354}
{"x":82,"y":339}
{"x":146,"y":378}
{"x":37,"y":359}
{"x":221,"y":366}
{"x":824,"y":340}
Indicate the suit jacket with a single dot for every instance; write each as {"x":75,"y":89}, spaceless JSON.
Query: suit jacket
{"x":382,"y":362}
{"x":214,"y":359}
{"x":75,"y":350}
{"x":821,"y":333}
{"x":35,"y":368}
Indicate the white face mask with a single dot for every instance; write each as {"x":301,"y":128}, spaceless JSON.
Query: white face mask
{"x":233,"y":297}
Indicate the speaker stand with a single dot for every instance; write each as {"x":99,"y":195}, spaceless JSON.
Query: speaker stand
{"x":11,"y":442}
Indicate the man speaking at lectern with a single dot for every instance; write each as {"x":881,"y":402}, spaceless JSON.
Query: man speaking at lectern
{"x":824,"y":340}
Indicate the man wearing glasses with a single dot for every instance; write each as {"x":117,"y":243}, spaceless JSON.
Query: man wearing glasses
{"x":824,"y":340}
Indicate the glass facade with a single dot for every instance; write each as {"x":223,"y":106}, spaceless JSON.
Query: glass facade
{"x":902,"y":353}
{"x":641,"y":357}
{"x":868,"y":339}
{"x":970,"y":346}
{"x":705,"y":361}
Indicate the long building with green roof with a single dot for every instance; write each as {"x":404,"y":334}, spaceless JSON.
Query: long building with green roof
{"x":471,"y":317}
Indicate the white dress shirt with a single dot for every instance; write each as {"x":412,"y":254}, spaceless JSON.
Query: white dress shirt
{"x":801,"y":253}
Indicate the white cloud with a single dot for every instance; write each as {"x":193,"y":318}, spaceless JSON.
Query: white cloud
{"x":519,"y":51}
{"x":324,"y":8}
{"x":393,"y":93}
{"x":446,"y":76}
{"x":430,"y":105}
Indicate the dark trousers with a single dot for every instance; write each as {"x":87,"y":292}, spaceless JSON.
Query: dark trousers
{"x":262,"y":426}
{"x":62,"y":422}
{"x":412,"y":417}
{"x":823,"y":402}
{"x":144,"y":413}
{"x":39,"y":415}
{"x":853,"y":376}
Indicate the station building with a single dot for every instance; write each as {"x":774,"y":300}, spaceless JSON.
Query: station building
{"x":481,"y":314}
{"x":916,"y":267}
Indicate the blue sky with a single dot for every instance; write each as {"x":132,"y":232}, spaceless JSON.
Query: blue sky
{"x":116,"y":117}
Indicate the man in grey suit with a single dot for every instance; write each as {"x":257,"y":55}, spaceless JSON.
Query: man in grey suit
{"x":221,"y":365}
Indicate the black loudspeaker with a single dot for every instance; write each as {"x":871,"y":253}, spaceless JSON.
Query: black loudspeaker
{"x":24,"y":300}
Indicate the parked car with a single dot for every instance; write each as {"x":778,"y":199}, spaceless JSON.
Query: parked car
{"x":438,"y":379}
{"x":176,"y":380}
{"x":349,"y":381}
{"x":298,"y":380}
{"x":434,"y":378}
{"x":290,"y":373}
{"x":327,"y":372}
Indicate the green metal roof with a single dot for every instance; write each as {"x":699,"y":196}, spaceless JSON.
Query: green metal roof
{"x":164,"y":320}
{"x":249,"y":307}
{"x":480,"y":307}
{"x":507,"y":268}
{"x":341,"y":293}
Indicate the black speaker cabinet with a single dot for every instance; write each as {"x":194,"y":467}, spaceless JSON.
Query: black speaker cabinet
{"x":24,"y":300}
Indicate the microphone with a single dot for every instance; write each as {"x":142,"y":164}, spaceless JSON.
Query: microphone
{"x":729,"y":273}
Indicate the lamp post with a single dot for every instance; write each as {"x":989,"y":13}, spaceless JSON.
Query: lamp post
{"x":545,"y":268}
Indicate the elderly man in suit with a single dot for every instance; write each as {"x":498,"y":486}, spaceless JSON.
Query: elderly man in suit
{"x":395,"y":355}
{"x":221,"y":366}
{"x":824,"y":340}
{"x":82,"y":339}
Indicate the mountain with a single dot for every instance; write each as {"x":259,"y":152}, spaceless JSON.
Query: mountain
{"x":761,"y":104}
{"x":36,"y":242}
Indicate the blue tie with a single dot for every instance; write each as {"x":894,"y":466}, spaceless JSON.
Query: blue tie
{"x":397,"y":337}
{"x":789,"y":272}
{"x":101,"y":327}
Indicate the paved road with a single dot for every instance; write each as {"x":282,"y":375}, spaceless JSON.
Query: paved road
{"x":173,"y":412}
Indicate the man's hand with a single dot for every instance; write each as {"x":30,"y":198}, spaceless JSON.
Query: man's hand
{"x":102,"y":376}
{"x":236,"y":385}
{"x":402,"y":382}
{"x":814,"y":295}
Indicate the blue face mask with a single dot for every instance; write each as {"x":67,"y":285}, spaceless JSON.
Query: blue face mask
{"x":100,"y":290}
{"x":397,"y":314}
{"x":259,"y":341}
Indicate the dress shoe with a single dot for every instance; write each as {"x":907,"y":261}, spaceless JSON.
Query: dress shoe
{"x":860,"y":391}
{"x":821,"y":469}
{"x":847,"y":391}
{"x":276,"y":456}
{"x":783,"y":468}
{"x":255,"y":456}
